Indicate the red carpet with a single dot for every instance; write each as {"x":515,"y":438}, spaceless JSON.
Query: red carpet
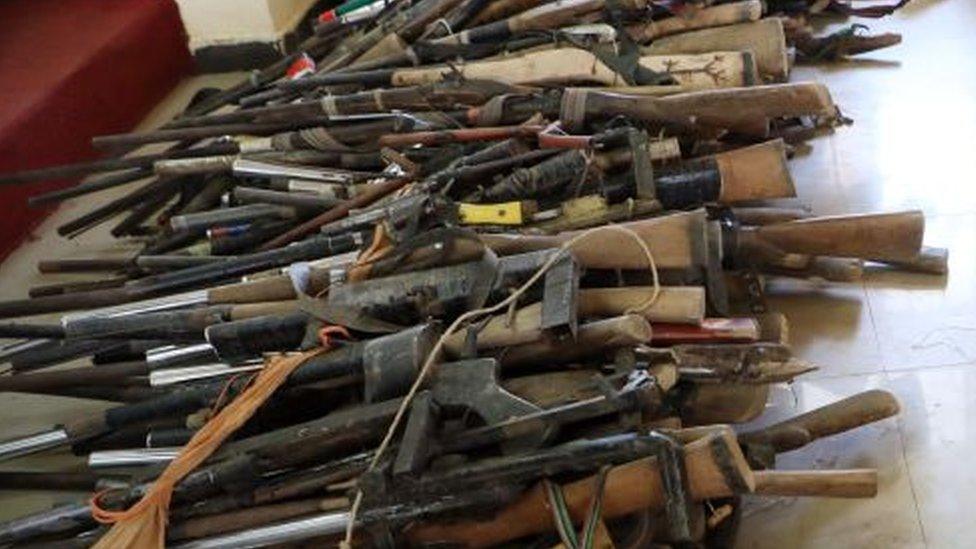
{"x":72,"y":69}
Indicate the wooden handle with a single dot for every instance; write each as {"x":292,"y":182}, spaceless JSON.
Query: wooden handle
{"x":755,"y":173}
{"x":679,"y":305}
{"x":266,"y":308}
{"x":591,"y":338}
{"x":272,"y":288}
{"x":843,"y":415}
{"x":675,"y":304}
{"x":890,"y":236}
{"x":629,"y":488}
{"x":852,"y":483}
{"x":676,"y":241}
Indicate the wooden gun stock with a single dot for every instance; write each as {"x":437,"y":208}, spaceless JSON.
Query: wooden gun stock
{"x":764,"y":38}
{"x":629,"y":488}
{"x":884,"y":237}
{"x":578,"y":66}
{"x":755,"y":173}
{"x":841,"y":416}
{"x":745,"y":110}
{"x":677,"y":242}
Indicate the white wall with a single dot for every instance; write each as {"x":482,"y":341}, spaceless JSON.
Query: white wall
{"x":216,"y":22}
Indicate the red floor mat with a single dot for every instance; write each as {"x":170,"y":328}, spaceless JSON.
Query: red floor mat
{"x":72,"y":69}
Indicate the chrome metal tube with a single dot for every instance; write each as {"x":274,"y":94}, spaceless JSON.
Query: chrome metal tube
{"x":170,"y":356}
{"x":171,"y":376}
{"x":176,"y":301}
{"x":133,"y":457}
{"x":256,"y":168}
{"x":319,"y":525}
{"x":32,"y":443}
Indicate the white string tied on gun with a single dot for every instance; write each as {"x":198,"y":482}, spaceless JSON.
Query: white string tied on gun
{"x":512,"y":298}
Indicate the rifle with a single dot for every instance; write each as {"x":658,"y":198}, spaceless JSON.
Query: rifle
{"x":549,"y":66}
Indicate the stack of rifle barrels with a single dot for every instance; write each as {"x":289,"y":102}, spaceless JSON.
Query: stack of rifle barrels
{"x":457,"y":273}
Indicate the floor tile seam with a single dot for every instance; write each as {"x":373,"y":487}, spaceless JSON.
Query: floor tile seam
{"x":911,"y":482}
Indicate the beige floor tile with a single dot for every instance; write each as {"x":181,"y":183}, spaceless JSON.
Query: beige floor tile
{"x":939,"y":435}
{"x":887,"y":521}
{"x":927,"y":320}
{"x":830,"y":326}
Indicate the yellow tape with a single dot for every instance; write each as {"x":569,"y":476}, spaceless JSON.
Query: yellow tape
{"x":504,"y":213}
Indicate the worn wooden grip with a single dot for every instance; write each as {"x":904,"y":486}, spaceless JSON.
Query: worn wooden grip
{"x":723,"y":14}
{"x":744,"y":109}
{"x":629,"y":488}
{"x":889,"y":236}
{"x":524,"y":326}
{"x":764,"y":38}
{"x":591,"y":338}
{"x":272,"y":288}
{"x":755,"y":173}
{"x":265,"y":308}
{"x":852,"y":483}
{"x":676,"y":304}
{"x":843,"y":415}
{"x":676,"y":241}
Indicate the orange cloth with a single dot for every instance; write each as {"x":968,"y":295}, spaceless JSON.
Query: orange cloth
{"x":143,"y":525}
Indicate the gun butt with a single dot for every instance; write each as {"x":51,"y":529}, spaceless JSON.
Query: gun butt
{"x":755,"y":173}
{"x":884,"y":237}
{"x":749,"y":110}
{"x":765,"y":38}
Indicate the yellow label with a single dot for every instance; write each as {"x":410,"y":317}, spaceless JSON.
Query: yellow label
{"x":503,"y":213}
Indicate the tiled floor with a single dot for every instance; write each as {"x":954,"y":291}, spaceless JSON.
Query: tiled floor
{"x":911,"y":146}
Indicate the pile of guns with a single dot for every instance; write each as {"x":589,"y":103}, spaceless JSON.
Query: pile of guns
{"x":545,"y":229}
